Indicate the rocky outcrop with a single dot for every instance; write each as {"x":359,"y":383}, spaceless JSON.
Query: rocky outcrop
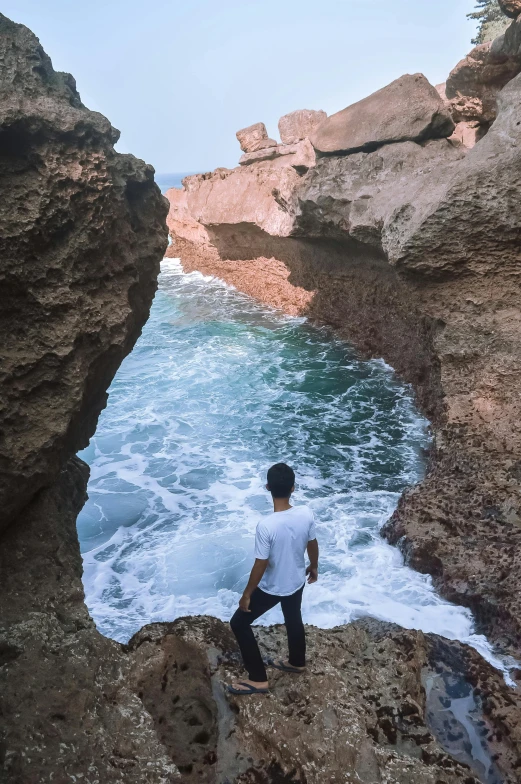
{"x":511,"y":8}
{"x":81,"y":237}
{"x":255,"y":137}
{"x":299,"y":125}
{"x":474,"y":84}
{"x":412,"y":252}
{"x":67,"y":709}
{"x":301,"y":156}
{"x":507,"y":47}
{"x":408,"y":109}
{"x":374,"y":706}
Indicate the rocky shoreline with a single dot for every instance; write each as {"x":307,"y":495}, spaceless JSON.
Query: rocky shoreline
{"x":423,"y":282}
{"x":407,"y":242}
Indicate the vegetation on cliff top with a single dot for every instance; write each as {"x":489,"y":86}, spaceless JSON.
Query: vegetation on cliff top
{"x":492,"y":21}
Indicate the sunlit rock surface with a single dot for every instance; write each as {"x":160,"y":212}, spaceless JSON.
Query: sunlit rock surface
{"x":412,"y":252}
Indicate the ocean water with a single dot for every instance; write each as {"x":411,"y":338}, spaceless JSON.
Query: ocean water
{"x":216,"y":390}
{"x":172,"y":180}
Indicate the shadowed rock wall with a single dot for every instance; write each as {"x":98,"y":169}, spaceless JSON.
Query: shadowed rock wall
{"x":82,"y":233}
{"x":81,"y":236}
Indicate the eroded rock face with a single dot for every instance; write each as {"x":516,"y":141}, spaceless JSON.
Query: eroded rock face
{"x":82,"y":235}
{"x":511,"y":8}
{"x":474,"y":84}
{"x":300,"y":155}
{"x":255,"y":137}
{"x":408,"y":109}
{"x":298,"y":125}
{"x":256,"y":194}
{"x":359,"y":713}
{"x":81,"y":238}
{"x":66,"y":708}
{"x":412,"y":252}
{"x":508,"y":46}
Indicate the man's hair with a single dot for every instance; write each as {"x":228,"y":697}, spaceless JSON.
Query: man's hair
{"x":281,"y":479}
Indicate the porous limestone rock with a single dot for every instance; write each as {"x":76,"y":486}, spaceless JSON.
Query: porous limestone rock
{"x":300,"y":155}
{"x":408,"y":109}
{"x":82,"y":233}
{"x":255,"y":137}
{"x":67,"y":709}
{"x":473,"y":85}
{"x":298,"y":125}
{"x":359,"y":713}
{"x":258,"y":194}
{"x":81,"y":236}
{"x":468,"y":133}
{"x":413,"y":253}
{"x":511,"y":8}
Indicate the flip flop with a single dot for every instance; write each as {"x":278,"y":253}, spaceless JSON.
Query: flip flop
{"x":279,"y":665}
{"x":249,"y":690}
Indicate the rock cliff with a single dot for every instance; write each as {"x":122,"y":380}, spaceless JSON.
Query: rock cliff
{"x":83,"y":234}
{"x":409,"y":245}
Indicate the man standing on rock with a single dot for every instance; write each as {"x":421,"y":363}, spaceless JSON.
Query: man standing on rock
{"x":278,"y":576}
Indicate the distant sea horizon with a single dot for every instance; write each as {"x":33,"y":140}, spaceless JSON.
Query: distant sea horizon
{"x":171,"y":179}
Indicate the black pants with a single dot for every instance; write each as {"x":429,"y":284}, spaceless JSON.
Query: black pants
{"x":260,"y":603}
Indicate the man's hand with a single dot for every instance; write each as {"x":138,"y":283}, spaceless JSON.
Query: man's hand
{"x":244,"y":603}
{"x":312,"y":573}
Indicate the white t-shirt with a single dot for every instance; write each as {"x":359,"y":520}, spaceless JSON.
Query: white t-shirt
{"x":282,"y":537}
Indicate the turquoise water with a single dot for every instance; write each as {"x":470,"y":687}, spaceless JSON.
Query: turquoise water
{"x":217,"y":389}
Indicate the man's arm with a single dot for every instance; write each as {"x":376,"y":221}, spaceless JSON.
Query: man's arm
{"x":312,"y":570}
{"x":259,"y":567}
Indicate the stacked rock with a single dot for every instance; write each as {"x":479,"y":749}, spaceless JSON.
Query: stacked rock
{"x":295,"y":150}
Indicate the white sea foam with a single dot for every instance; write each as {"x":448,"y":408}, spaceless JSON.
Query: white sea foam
{"x":216,"y":390}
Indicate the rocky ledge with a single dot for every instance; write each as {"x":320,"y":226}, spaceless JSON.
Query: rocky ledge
{"x":404,"y":234}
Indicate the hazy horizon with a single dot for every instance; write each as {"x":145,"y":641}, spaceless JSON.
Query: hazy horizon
{"x":178,"y":80}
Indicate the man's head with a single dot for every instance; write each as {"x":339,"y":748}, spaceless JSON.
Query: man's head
{"x":281,"y":480}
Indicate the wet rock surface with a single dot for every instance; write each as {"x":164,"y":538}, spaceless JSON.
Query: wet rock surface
{"x":359,"y":713}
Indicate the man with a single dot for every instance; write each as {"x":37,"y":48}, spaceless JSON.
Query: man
{"x":278,"y":575}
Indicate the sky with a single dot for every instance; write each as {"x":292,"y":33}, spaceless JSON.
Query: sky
{"x":178,"y":79}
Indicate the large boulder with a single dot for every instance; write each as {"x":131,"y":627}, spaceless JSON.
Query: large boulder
{"x":298,"y":125}
{"x":254,"y":137}
{"x":511,"y":8}
{"x":474,"y":84}
{"x":259,"y":195}
{"x":408,"y":109}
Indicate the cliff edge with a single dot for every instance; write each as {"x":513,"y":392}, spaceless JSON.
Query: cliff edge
{"x":404,"y":233}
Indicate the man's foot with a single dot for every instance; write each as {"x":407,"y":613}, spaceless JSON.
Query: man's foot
{"x":285,"y":666}
{"x":249,"y":687}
